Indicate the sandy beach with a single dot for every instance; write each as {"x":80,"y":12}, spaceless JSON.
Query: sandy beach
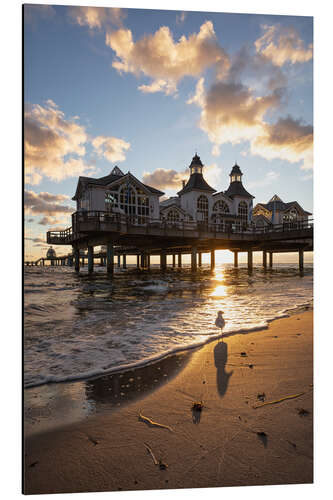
{"x":237,"y":439}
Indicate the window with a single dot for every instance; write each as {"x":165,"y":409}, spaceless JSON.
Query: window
{"x":243,"y":209}
{"x":109,"y":201}
{"x":173,"y":216}
{"x":131,"y":200}
{"x":221,"y":207}
{"x":202,"y":209}
{"x":290,"y":216}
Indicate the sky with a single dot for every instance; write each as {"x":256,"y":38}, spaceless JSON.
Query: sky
{"x":146,"y":89}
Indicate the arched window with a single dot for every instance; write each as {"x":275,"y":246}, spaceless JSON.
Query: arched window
{"x":243,"y":209}
{"x":131,"y":200}
{"x":202,"y":209}
{"x":221,"y":207}
{"x":173,"y":216}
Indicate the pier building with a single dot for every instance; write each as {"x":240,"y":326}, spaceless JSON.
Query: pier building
{"x":126,"y":217}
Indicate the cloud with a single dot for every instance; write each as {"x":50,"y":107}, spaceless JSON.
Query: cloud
{"x":287,"y":139}
{"x":230,"y":112}
{"x":111,"y":148}
{"x":45,"y":203}
{"x":50,"y":221}
{"x":165,"y":61}
{"x":97,"y":17}
{"x":171,"y":179}
{"x":53,"y":145}
{"x":283,"y":45}
{"x":257,"y":71}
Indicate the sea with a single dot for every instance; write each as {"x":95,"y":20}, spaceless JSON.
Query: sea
{"x":78,"y":326}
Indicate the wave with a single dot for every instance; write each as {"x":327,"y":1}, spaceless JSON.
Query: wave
{"x":118,"y":368}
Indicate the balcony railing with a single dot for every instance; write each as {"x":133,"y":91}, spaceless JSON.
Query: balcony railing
{"x":84,"y":222}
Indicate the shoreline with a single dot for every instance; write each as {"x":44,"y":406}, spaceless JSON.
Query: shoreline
{"x":285,"y":313}
{"x":105,"y":451}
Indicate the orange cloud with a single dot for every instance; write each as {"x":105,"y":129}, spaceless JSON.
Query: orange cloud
{"x":288,"y":139}
{"x":97,"y":17}
{"x":171,"y":179}
{"x":165,"y":61}
{"x":283,"y":45}
{"x":45,"y":203}
{"x":111,"y":148}
{"x":230,"y":112}
{"x":53,"y":145}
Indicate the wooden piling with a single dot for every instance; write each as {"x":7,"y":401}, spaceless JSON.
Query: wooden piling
{"x":77,"y":259}
{"x":249,"y":259}
{"x":301,"y":259}
{"x":173,"y":260}
{"x":90,"y":260}
{"x":163,"y":260}
{"x":194,"y":259}
{"x":264,"y":259}
{"x":124,"y":261}
{"x":212,"y":259}
{"x":270,"y":259}
{"x":109,"y":259}
{"x":179,"y":260}
{"x":235,"y":259}
{"x":200,"y":259}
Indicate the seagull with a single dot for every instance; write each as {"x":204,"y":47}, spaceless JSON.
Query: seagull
{"x":219,"y":322}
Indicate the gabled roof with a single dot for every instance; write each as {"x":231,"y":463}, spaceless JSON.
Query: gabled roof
{"x":196,"y":182}
{"x":236,"y":188}
{"x":281,"y":206}
{"x":109,"y":179}
{"x":174,"y":206}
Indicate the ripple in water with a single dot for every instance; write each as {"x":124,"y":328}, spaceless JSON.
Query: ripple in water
{"x":77,"y":326}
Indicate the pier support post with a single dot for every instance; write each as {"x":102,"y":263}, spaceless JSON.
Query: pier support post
{"x":270,"y":259}
{"x":148,"y":260}
{"x":77,"y":259}
{"x":90,"y":260}
{"x":118,"y":260}
{"x":212,"y":259}
{"x":101,"y":261}
{"x":173,"y":260}
{"x":194,"y":259}
{"x":235,"y":259}
{"x":163,"y":258}
{"x":264,"y":259}
{"x":142,"y":264}
{"x":109,"y":258}
{"x":301,"y":259}
{"x":124,"y":261}
{"x":138,"y":261}
{"x":200,"y":259}
{"x":179,"y":260}
{"x":249,"y":260}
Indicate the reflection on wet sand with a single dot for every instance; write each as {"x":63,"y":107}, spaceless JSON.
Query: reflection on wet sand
{"x":115,"y":389}
{"x":55,"y":405}
{"x":220,"y":359}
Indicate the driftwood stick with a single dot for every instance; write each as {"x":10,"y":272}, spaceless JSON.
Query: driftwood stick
{"x":293,"y":396}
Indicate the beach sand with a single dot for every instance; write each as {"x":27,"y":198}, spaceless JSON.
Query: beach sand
{"x":219,"y":446}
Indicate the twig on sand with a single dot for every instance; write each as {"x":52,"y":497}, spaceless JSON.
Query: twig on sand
{"x":160,"y":463}
{"x":151,"y":453}
{"x":293,"y":396}
{"x":150,"y":422}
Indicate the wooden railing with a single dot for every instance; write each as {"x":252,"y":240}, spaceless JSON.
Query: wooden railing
{"x":97,"y":217}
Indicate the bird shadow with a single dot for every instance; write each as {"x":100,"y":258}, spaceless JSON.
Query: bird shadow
{"x":220,"y":359}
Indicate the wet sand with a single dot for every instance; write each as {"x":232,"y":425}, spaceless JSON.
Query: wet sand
{"x":228,"y":443}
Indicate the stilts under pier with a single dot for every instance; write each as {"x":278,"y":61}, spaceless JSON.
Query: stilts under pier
{"x":121,"y":238}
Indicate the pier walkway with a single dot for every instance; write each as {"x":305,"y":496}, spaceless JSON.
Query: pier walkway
{"x":143,"y":237}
